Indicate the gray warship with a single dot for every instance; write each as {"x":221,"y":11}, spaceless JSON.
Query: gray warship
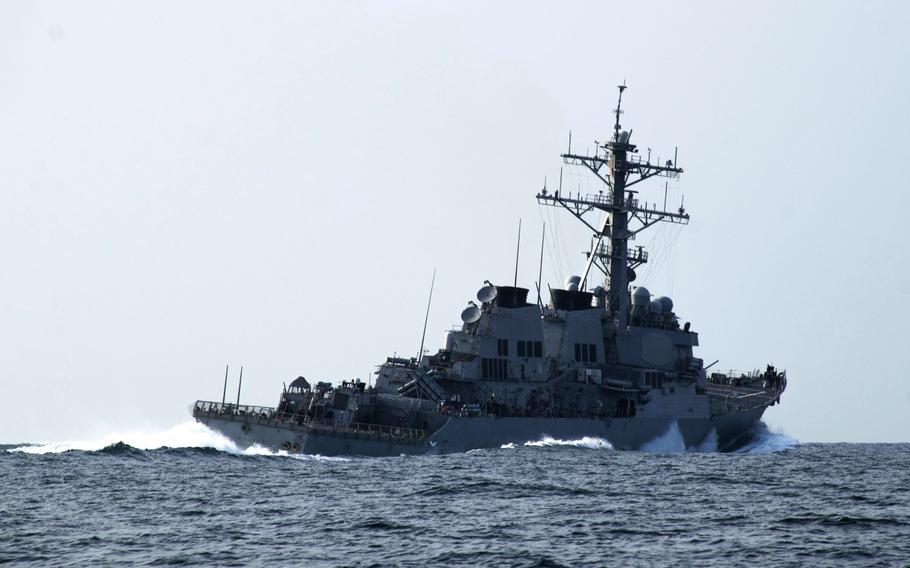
{"x":602,"y":359}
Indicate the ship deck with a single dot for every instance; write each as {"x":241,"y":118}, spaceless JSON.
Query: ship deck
{"x":269,"y":416}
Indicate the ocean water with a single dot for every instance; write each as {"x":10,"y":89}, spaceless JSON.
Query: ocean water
{"x":187,"y":496}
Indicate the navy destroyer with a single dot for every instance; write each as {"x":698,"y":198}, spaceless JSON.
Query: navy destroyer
{"x":601,"y":359}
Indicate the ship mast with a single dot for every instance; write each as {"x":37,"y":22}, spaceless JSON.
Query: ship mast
{"x":618,"y":166}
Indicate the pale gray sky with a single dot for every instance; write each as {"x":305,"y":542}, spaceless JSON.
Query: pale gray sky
{"x":189,"y":184}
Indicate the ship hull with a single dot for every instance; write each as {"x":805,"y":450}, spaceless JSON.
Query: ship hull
{"x":463,"y":434}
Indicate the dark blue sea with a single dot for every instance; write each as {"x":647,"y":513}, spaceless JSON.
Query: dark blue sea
{"x":187,"y":497}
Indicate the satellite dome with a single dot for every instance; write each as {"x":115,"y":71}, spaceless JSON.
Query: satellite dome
{"x":641,"y":296}
{"x":300,"y":383}
{"x":666,"y":303}
{"x":572,"y":283}
{"x":656,"y":307}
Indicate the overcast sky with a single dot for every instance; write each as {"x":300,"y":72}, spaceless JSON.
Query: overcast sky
{"x":189,"y":184}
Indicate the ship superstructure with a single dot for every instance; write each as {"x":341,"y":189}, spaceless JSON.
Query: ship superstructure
{"x":600,"y":359}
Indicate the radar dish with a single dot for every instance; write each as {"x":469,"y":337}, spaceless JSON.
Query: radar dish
{"x":470,"y":314}
{"x":487,"y":293}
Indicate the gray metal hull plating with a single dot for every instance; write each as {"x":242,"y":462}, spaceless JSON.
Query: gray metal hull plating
{"x":464,"y":434}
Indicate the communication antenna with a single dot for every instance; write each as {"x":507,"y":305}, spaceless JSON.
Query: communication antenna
{"x":427,"y":317}
{"x":618,"y":111}
{"x":666,"y":183}
{"x":517,"y":250}
{"x":239,"y":384}
{"x":224,"y":392}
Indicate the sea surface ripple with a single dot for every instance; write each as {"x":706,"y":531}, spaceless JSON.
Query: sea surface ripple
{"x":189,"y":498}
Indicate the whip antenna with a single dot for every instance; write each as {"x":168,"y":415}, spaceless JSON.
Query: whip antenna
{"x":517,"y":250}
{"x":239,"y":384}
{"x":427,"y":317}
{"x":224,"y":392}
{"x":543,"y":236}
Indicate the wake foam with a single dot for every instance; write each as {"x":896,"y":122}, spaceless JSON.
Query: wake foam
{"x":764,"y":441}
{"x":187,"y":435}
{"x":672,"y":442}
{"x":586,"y":442}
{"x":190,"y":434}
{"x":708,"y":445}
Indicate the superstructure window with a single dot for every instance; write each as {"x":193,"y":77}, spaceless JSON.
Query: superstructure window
{"x":654,"y":379}
{"x":502,"y":347}
{"x":496,"y":369}
{"x":529,"y":348}
{"x":586,"y":352}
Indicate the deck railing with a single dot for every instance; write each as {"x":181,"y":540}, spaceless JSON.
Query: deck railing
{"x":270,"y":415}
{"x":741,"y":393}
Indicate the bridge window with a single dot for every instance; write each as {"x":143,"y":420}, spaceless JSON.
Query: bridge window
{"x":502,"y":347}
{"x":497,"y":369}
{"x":586,"y":352}
{"x":529,"y":348}
{"x":654,"y":379}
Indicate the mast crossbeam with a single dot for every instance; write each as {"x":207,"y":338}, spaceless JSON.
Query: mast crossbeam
{"x":582,"y":204}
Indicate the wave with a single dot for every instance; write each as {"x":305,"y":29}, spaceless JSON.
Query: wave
{"x":708,"y":445}
{"x":183,"y":436}
{"x":587,"y":442}
{"x":672,"y":442}
{"x":765,"y":441}
{"x":190,"y":434}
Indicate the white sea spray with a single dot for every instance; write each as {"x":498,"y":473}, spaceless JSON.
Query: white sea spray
{"x":189,"y":434}
{"x":587,"y":442}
